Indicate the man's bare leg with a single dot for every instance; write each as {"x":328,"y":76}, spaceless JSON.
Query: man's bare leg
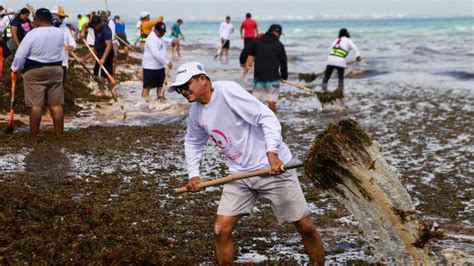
{"x":223,"y":227}
{"x":58,"y":119}
{"x":272,"y":105}
{"x":311,"y":239}
{"x":35,"y":119}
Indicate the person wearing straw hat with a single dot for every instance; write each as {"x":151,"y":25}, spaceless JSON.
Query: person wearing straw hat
{"x":154,"y":62}
{"x":39,"y":57}
{"x":249,"y":134}
{"x":69,"y":43}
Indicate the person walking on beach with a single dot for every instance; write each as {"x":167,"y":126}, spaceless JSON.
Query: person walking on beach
{"x":270,"y":65}
{"x":146,"y":27}
{"x":120,"y":31}
{"x":175,"y":33}
{"x":103,"y":48}
{"x":248,"y":29}
{"x":249,"y":135}
{"x":337,"y":58}
{"x":154,"y":62}
{"x":20,"y":26}
{"x":39,"y":57}
{"x":225,"y":30}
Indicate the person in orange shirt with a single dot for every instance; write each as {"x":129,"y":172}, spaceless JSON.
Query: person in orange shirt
{"x":146,"y":26}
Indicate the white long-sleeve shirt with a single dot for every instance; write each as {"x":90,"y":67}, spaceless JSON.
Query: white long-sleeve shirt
{"x":345,"y":44}
{"x":154,"y":56}
{"x":42,"y":44}
{"x":68,"y":41}
{"x":225,"y":30}
{"x":239,"y":124}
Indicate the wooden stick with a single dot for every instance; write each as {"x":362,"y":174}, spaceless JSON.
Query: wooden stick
{"x":9,"y":128}
{"x":112,"y":80}
{"x":80,"y":62}
{"x":126,"y":43}
{"x":236,"y":176}
{"x":298,"y":86}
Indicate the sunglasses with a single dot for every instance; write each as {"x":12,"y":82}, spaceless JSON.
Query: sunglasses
{"x":185,"y":86}
{"x":182,"y":88}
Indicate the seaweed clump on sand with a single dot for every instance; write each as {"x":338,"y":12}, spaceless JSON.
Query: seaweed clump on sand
{"x":348,"y":163}
{"x":75,"y":87}
{"x":53,"y":213}
{"x":307,"y":77}
{"x":334,"y":148}
{"x":330,"y":96}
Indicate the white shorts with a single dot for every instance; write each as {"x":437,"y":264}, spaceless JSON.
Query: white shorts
{"x":283,"y":191}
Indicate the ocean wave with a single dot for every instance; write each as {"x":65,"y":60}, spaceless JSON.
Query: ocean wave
{"x":425,"y":51}
{"x":460,"y":75}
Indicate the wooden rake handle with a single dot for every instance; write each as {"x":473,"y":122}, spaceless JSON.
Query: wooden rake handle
{"x":237,"y":176}
{"x":298,"y":86}
{"x":127,"y":44}
{"x":112,"y":80}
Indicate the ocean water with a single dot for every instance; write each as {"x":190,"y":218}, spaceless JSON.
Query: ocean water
{"x":436,"y":52}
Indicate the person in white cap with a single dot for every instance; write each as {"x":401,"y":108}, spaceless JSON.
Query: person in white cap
{"x":146,"y":27}
{"x":154,"y":62}
{"x":249,"y":134}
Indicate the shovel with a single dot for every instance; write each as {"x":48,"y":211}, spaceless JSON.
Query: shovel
{"x":238,"y":176}
{"x":9,"y":128}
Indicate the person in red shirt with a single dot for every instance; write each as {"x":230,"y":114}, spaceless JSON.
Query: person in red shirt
{"x":248,"y":29}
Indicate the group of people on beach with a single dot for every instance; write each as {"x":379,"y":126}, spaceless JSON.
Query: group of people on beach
{"x":239,"y":123}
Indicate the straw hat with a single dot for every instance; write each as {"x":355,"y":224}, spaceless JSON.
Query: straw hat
{"x":59,"y":10}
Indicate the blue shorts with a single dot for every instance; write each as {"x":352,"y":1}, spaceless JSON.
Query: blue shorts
{"x":266,"y":90}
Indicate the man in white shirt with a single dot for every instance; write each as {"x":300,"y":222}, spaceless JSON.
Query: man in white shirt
{"x":39,"y":56}
{"x":225,"y":30}
{"x":249,"y":134}
{"x":154,"y":61}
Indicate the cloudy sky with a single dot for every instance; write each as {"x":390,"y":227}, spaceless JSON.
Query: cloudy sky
{"x":213,"y":9}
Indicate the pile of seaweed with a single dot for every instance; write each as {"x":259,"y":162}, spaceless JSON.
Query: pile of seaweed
{"x":76,"y":85}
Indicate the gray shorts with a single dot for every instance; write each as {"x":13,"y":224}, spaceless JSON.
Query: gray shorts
{"x":44,"y":85}
{"x":283,"y":191}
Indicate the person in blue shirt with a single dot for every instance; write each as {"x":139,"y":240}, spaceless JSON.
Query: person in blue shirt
{"x":122,"y":36}
{"x":175,"y":33}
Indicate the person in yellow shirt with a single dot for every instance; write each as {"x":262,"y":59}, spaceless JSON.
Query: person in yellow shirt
{"x":146,"y":26}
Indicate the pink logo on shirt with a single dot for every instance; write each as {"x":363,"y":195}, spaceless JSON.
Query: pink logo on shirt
{"x":219,"y":138}
{"x":225,"y":143}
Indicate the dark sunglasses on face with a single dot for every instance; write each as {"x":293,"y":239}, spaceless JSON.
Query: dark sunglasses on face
{"x":182,"y":88}
{"x":185,"y":86}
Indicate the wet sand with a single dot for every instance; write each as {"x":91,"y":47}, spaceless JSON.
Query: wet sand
{"x":103,"y":194}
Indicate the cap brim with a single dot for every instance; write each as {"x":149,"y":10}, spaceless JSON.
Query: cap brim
{"x":175,"y":85}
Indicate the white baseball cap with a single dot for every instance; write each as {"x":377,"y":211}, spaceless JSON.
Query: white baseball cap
{"x":144,"y":14}
{"x":185,"y":72}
